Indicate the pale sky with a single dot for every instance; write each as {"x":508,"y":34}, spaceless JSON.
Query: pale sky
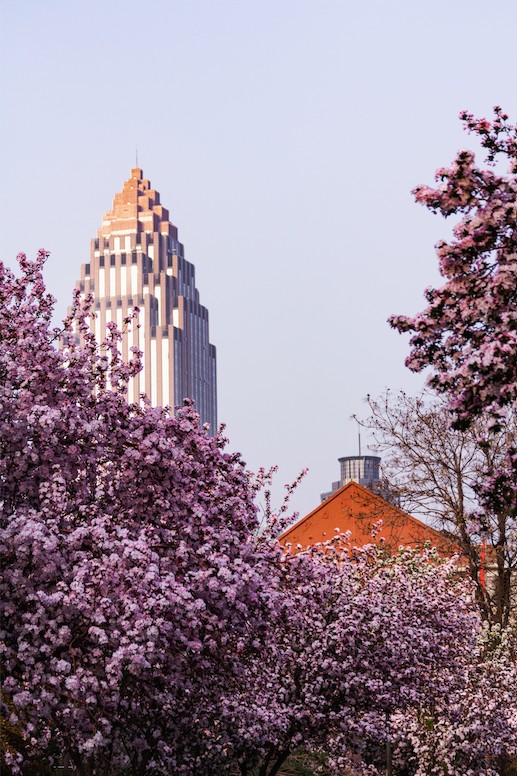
{"x":285,"y":137}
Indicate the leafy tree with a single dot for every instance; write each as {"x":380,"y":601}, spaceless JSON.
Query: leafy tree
{"x":438,"y":472}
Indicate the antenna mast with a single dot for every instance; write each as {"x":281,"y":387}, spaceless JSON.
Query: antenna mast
{"x":354,"y":417}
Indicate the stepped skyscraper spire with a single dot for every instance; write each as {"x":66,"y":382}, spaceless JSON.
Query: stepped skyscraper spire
{"x":136,"y":260}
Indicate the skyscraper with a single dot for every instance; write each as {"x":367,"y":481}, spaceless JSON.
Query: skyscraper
{"x":136,"y":260}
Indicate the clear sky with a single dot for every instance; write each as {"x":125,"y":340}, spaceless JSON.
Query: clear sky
{"x":285,"y":137}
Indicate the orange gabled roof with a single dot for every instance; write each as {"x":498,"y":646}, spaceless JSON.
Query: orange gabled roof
{"x":356,"y":509}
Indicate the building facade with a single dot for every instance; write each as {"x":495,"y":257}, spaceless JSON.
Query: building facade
{"x":136,"y":260}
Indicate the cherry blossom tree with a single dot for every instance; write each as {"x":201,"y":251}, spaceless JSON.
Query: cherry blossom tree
{"x":372,"y":647}
{"x":132,"y":588}
{"x":468,"y":331}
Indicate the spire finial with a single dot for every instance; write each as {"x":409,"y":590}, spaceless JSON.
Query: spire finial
{"x":136,"y":154}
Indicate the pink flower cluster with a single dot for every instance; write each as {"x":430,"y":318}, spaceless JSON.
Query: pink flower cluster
{"x":468,"y":331}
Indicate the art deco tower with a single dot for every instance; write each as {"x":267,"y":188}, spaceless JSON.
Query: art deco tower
{"x":137,"y":261}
